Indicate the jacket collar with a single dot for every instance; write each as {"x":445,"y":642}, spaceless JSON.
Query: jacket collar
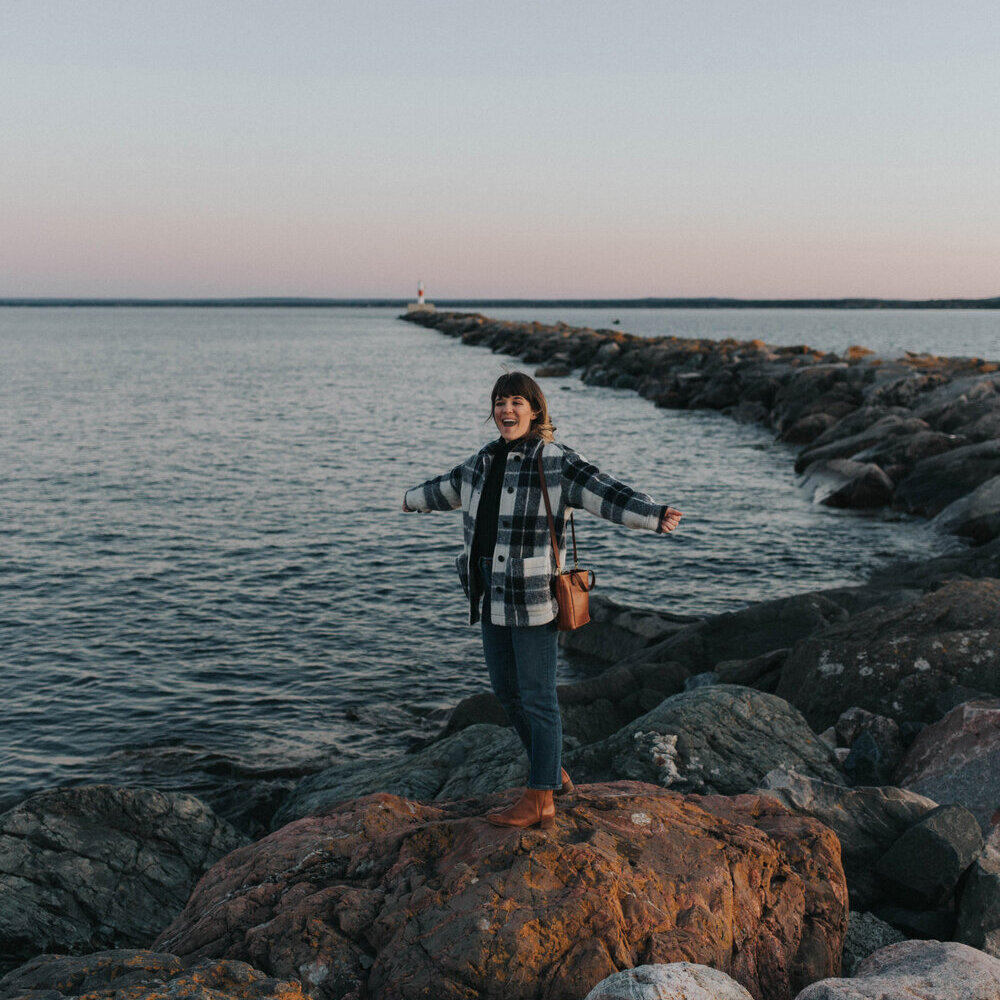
{"x":526,"y":446}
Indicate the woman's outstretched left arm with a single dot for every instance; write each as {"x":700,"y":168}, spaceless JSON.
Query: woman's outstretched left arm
{"x":587,"y":487}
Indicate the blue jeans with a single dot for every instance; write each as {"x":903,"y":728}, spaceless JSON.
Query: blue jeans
{"x":522,"y":665}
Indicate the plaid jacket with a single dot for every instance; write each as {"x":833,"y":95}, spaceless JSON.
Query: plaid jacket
{"x":523,"y":568}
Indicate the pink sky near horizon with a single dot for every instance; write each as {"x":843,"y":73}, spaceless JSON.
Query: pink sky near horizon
{"x":533,"y":150}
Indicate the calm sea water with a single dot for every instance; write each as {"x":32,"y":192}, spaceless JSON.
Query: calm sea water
{"x":206,"y":580}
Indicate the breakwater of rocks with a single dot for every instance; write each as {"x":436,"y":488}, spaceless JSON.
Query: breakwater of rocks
{"x":918,"y":433}
{"x":799,"y":800}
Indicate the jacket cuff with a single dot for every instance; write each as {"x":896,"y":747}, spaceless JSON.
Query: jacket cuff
{"x":659,"y":518}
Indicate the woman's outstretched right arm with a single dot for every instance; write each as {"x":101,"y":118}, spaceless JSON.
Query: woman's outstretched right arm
{"x":441,"y":493}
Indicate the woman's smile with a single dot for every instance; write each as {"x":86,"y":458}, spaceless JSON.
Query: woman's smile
{"x":513,"y":416}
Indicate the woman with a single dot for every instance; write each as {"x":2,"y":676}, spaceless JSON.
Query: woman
{"x":508,"y":566}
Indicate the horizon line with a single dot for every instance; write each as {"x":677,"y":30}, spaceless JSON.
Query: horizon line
{"x":649,"y":302}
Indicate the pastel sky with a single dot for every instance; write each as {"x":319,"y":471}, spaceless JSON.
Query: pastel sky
{"x":547,"y":149}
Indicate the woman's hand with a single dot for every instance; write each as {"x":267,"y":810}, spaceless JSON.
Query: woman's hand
{"x":671,"y":518}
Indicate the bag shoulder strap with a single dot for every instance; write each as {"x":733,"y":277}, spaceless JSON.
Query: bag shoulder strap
{"x":548,"y":512}
{"x":552,"y":523}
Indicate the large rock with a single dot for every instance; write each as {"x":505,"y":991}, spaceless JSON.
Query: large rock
{"x":903,"y":452}
{"x":840,"y":482}
{"x":141,"y":975}
{"x":82,"y":869}
{"x":478,"y":760}
{"x":677,"y":981}
{"x":834,"y":445}
{"x":975,"y":515}
{"x":940,"y":480}
{"x":387,"y":897}
{"x":979,"y":903}
{"x":741,"y":635}
{"x":957,"y":760}
{"x":922,"y":868}
{"x":615,"y":630}
{"x":721,"y":739}
{"x":896,"y":661}
{"x":931,"y":970}
{"x":867,"y":821}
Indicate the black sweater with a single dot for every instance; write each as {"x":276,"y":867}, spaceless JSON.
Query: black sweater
{"x":489,"y":505}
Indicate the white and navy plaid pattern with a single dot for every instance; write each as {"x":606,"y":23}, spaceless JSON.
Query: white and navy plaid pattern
{"x":523,"y":567}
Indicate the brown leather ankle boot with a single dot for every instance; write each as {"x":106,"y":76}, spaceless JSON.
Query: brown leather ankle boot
{"x":567,"y":784}
{"x":534,"y":808}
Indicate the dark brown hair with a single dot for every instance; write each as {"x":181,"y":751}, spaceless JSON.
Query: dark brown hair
{"x":519,"y":384}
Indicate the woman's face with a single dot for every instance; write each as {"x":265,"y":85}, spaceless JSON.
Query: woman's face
{"x":513,"y":416}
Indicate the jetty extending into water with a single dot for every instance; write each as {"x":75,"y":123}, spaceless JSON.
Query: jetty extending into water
{"x":920,"y":433}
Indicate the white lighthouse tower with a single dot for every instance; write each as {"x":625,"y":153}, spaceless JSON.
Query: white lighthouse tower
{"x":421,"y":305}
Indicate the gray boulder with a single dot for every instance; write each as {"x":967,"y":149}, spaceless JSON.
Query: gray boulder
{"x":719,"y":739}
{"x":922,"y":868}
{"x":975,"y":516}
{"x":676,"y":981}
{"x":939,"y":481}
{"x":905,"y":450}
{"x":745,"y":634}
{"x":957,"y":760}
{"x":931,"y":970}
{"x":841,"y":482}
{"x":866,"y":934}
{"x":875,"y":745}
{"x":761,"y":672}
{"x":615,"y":630}
{"x":82,"y":869}
{"x":832,"y":445}
{"x":896,"y":661}
{"x":979,"y":902}
{"x":867,"y":821}
{"x":478,"y":760}
{"x":853,"y":423}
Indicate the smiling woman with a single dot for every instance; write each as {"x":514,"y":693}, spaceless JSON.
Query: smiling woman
{"x":508,"y":564}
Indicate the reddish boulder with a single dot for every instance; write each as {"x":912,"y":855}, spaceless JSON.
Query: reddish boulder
{"x":957,"y":760}
{"x":383,"y":897}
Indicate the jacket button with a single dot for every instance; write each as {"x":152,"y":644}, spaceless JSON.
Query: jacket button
{"x":517,"y":458}
{"x":510,"y":489}
{"x":499,"y":590}
{"x":506,"y":524}
{"x":499,"y":558}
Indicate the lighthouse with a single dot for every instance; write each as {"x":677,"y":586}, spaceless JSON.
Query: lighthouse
{"x":421,"y":305}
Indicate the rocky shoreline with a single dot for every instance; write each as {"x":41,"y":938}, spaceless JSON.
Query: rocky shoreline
{"x":768,"y":800}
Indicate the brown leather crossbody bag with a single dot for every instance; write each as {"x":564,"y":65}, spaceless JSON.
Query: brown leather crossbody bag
{"x":573,"y":586}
